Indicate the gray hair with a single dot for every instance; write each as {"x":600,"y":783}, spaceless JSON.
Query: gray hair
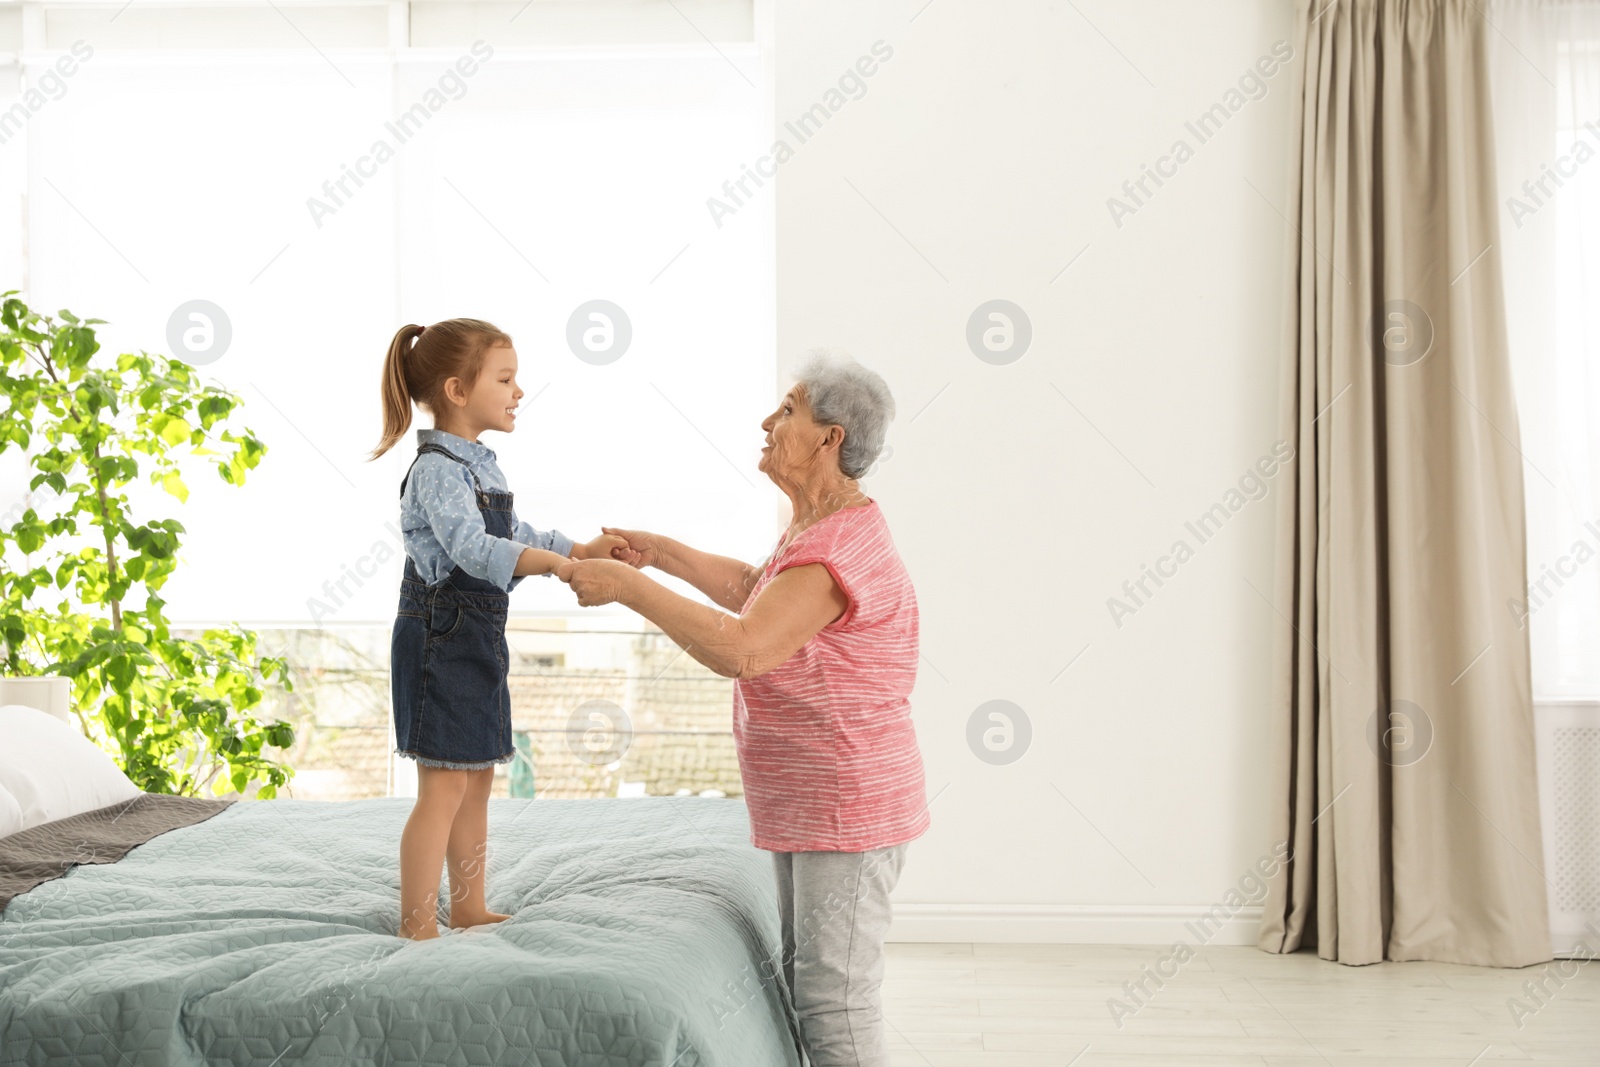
{"x":844,"y":393}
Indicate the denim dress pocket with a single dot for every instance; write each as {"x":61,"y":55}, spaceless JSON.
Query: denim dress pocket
{"x":444,"y":620}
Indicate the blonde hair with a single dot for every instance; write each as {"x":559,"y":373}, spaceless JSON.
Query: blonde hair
{"x":421,"y":359}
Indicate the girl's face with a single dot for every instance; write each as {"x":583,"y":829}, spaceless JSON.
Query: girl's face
{"x":492,"y":403}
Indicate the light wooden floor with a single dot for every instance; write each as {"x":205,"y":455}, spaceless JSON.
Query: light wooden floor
{"x":1045,"y":1006}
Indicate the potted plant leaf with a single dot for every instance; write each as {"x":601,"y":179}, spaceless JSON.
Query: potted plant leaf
{"x":80,"y":573}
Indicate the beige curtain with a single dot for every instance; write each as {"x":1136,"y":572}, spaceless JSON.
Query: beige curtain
{"x":1403,"y":773}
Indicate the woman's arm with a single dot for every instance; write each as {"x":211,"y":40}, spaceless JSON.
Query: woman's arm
{"x":726,"y":581}
{"x":786,"y":614}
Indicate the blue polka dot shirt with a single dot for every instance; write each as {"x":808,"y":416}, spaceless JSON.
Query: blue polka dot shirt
{"x":442,"y":526}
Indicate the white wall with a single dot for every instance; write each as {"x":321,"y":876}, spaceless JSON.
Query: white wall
{"x":976,"y":165}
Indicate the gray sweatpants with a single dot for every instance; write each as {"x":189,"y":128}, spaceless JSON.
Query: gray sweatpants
{"x":833,"y":908}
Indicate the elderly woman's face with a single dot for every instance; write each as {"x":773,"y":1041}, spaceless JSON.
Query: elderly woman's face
{"x":795,"y":440}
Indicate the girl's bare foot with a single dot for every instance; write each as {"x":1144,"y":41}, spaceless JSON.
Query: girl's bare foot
{"x":465,"y":919}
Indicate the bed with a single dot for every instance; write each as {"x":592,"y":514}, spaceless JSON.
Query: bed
{"x":643,"y":933}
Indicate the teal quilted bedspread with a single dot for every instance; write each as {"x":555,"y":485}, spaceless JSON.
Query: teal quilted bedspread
{"x":643,"y":933}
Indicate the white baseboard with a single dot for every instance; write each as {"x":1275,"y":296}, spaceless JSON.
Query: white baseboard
{"x":1072,"y":924}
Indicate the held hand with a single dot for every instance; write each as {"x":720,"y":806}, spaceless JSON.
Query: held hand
{"x":595,"y":581}
{"x":606,"y":546}
{"x":640,"y":549}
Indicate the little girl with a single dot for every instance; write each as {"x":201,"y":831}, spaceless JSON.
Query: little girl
{"x":465,"y":550}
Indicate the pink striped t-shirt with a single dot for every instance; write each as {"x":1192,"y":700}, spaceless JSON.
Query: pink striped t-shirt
{"x":825,"y":741}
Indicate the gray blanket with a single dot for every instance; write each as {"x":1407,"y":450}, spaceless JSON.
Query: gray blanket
{"x":36,"y":855}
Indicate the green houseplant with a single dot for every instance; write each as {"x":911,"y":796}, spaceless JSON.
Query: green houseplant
{"x":79,"y":581}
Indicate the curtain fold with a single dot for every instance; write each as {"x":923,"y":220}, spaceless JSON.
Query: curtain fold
{"x":1403,"y":768}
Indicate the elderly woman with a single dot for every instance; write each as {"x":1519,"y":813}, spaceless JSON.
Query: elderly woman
{"x":823,"y":650}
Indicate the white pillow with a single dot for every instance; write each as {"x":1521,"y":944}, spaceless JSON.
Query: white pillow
{"x":51,"y":771}
{"x":10,"y":813}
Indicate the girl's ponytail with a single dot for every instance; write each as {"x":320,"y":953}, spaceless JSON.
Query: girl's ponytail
{"x":396,"y":394}
{"x":417,"y":367}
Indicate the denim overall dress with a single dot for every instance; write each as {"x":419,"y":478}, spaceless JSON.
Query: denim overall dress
{"x":448,"y":658}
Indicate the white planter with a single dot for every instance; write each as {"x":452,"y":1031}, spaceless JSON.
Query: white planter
{"x":49,"y":692}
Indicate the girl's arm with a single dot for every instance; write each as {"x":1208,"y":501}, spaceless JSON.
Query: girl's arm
{"x":789,"y":611}
{"x":726,"y":581}
{"x":537,"y":561}
{"x":549,"y":540}
{"x":560,"y":544}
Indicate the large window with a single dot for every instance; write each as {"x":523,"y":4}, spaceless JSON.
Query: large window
{"x":320,"y":175}
{"x":595,"y":712}
{"x":1547,"y":94}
